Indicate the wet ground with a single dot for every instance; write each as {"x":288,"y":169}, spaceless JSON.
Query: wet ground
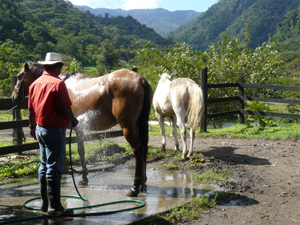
{"x":165,"y":191}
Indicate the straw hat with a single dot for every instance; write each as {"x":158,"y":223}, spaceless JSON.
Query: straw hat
{"x":52,"y":58}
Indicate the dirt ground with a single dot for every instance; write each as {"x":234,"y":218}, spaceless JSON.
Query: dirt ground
{"x":266,"y":184}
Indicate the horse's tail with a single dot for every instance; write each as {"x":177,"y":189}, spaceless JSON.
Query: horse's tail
{"x":142,"y":122}
{"x":196,"y":106}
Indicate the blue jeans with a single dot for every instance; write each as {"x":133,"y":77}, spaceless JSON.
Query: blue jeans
{"x":52,"y":141}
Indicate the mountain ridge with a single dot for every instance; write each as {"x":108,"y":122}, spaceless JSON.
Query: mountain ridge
{"x":161,"y":20}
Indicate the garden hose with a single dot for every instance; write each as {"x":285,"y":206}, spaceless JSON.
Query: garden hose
{"x":141,"y":203}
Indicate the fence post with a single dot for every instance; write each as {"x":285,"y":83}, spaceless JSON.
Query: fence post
{"x":203,"y":125}
{"x":18,"y":134}
{"x":241,"y":102}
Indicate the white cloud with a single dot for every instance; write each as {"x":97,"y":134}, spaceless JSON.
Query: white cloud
{"x":140,"y":4}
{"x":123,"y":4}
{"x":91,"y":3}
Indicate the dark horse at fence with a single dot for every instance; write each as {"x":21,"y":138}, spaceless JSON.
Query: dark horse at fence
{"x":122,"y":97}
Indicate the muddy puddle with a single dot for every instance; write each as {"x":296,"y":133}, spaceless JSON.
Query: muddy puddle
{"x":165,"y":190}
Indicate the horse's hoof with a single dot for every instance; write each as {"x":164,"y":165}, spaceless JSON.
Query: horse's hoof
{"x":189,"y":155}
{"x":176,"y":148}
{"x":184,"y":158}
{"x":163,"y":148}
{"x":83,"y":182}
{"x":143,"y":188}
{"x":133,"y":192}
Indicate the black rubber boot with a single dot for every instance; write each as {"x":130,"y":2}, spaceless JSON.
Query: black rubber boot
{"x":44,"y":196}
{"x":54,"y":198}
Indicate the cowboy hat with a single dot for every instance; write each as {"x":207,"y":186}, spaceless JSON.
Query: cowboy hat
{"x":52,"y":58}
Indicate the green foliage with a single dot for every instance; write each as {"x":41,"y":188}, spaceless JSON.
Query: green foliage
{"x":108,"y":56}
{"x":74,"y":66}
{"x":259,"y":120}
{"x":19,"y":169}
{"x":232,"y":59}
{"x":226,"y":62}
{"x":11,"y":56}
{"x":52,"y":25}
{"x":287,"y":34}
{"x":179,"y":60}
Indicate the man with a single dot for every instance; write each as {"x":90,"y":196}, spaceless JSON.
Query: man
{"x":49,"y":111}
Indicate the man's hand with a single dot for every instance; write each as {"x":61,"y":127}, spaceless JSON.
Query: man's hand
{"x":74,"y":121}
{"x":32,"y":133}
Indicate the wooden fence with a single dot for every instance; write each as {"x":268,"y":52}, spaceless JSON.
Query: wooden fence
{"x":241,"y":99}
{"x":18,"y":124}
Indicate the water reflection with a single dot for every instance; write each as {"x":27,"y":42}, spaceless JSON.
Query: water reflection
{"x":166,"y":189}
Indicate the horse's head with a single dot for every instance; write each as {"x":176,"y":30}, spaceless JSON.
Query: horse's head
{"x":28,"y":74}
{"x":165,"y":77}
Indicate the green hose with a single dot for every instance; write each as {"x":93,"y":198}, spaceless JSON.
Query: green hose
{"x":141,"y":203}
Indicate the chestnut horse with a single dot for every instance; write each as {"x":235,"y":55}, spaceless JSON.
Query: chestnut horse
{"x":175,"y":99}
{"x":122,"y":97}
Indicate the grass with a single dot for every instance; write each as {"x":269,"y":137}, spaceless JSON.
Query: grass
{"x":93,"y":152}
{"x":20,"y":169}
{"x":215,"y":175}
{"x":171,"y":166}
{"x":291,"y":130}
{"x":7,"y":116}
{"x":184,"y":213}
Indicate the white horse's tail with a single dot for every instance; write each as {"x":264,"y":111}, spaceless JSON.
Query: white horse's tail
{"x":196,"y":106}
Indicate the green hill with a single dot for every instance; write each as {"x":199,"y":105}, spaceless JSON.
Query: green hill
{"x":288,"y":36}
{"x":55,"y":25}
{"x":230,"y":16}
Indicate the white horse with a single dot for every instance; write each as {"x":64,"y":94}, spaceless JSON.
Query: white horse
{"x":176,"y":99}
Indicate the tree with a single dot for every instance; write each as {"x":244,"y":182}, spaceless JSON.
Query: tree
{"x":226,"y":62}
{"x":12,"y":56}
{"x":109,"y":56}
{"x":179,"y":60}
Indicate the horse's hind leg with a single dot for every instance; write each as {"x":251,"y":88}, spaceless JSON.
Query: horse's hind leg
{"x":181,"y":124}
{"x":140,"y":154}
{"x":80,"y":142}
{"x":192,"y":138}
{"x":162,"y":130}
{"x":174,"y":130}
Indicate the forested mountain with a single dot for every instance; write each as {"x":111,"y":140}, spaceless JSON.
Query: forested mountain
{"x":161,"y":20}
{"x":22,"y":27}
{"x":288,"y":36}
{"x":55,"y":25}
{"x":229,"y":17}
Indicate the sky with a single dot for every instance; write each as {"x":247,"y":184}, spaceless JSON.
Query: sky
{"x":171,"y":5}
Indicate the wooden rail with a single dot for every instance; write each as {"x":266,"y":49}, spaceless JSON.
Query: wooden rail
{"x":241,"y":98}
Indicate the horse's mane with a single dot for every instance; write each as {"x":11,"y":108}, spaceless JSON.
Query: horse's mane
{"x":37,"y":69}
{"x":66,"y":75}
